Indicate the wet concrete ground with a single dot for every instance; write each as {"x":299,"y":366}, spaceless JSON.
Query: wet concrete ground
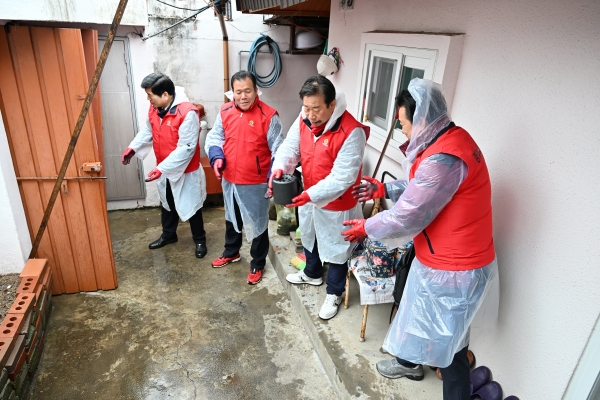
{"x":177,"y":328}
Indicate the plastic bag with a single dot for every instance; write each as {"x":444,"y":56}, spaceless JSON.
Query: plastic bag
{"x":436,"y":312}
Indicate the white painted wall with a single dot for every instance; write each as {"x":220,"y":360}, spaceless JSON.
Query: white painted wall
{"x":192,"y":55}
{"x":98,"y":12}
{"x":528,"y":93}
{"x":14,"y":236}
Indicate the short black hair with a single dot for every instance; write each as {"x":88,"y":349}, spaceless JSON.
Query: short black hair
{"x":318,"y":85}
{"x":158,"y":83}
{"x":241,"y":76}
{"x":405,"y":99}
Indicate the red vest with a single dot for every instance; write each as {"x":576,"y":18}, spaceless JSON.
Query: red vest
{"x":165,"y":133}
{"x":246,"y":147}
{"x":460,"y":237}
{"x":318,"y":156}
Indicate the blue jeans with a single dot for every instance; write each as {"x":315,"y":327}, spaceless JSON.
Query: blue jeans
{"x":336,"y":275}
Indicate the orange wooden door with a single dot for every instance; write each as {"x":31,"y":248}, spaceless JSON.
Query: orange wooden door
{"x":43,"y":83}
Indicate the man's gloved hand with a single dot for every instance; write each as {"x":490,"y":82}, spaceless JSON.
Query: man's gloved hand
{"x":369,"y":190}
{"x":127,"y":154}
{"x":300,"y":200}
{"x":357,"y":233}
{"x":153,"y":175}
{"x":218,"y":168}
{"x":276,"y":174}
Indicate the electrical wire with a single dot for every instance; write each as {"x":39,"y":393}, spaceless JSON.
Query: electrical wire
{"x":265,"y":81}
{"x":181,"y":8}
{"x":177,"y":23}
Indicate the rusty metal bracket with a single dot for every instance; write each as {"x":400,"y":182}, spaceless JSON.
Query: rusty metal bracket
{"x":92,"y":167}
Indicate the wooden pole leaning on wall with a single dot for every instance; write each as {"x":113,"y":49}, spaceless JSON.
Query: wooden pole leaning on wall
{"x":377,"y":202}
{"x":77,"y":131}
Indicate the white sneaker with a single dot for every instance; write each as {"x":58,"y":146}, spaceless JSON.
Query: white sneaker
{"x":330,"y":306}
{"x":300,"y":277}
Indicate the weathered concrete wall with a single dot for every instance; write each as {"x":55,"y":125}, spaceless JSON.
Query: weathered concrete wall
{"x":99,"y":12}
{"x":192,"y":55}
{"x":527,"y":92}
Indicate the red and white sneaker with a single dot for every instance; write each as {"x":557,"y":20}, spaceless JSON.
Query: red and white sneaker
{"x":254,"y":276}
{"x":223,"y":261}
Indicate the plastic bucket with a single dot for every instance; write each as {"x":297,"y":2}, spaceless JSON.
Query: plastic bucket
{"x":285,"y":189}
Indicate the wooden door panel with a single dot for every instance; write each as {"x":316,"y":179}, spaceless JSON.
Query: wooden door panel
{"x":55,"y":99}
{"x":87,"y":151}
{"x":42,"y":148}
{"x":43,"y":82}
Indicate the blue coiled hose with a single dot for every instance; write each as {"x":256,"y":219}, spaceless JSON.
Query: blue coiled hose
{"x":269,"y":79}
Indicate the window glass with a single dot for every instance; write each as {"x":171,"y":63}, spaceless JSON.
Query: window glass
{"x":381,"y":87}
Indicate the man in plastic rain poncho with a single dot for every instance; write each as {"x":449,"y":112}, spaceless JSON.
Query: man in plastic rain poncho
{"x":330,"y":143}
{"x":240,"y":146}
{"x":172,"y":129}
{"x":445,"y":207}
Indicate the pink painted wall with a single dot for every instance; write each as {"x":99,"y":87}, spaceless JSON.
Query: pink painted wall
{"x":528,"y":92}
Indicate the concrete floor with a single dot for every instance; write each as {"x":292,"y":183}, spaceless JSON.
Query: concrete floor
{"x":177,"y":328}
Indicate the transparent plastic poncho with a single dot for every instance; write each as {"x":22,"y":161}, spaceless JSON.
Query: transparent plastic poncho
{"x":254,"y":208}
{"x":437,"y":306}
{"x":436,"y":311}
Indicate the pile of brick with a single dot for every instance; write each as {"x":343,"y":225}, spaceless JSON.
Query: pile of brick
{"x":23,"y":330}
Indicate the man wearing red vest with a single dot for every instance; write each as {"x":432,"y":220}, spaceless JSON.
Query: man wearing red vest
{"x":172,"y":129}
{"x":240,"y":146}
{"x":445,"y":206}
{"x":330,"y":144}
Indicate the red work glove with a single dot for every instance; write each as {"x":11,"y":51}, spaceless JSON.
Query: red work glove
{"x":218,"y":168}
{"x":369,"y":190}
{"x":153,"y":175}
{"x":357,"y":233}
{"x":300,"y":200}
{"x":276,"y":174}
{"x":127,"y":154}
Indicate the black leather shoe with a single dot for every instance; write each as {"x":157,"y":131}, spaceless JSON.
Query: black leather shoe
{"x":161,"y":242}
{"x":201,"y":250}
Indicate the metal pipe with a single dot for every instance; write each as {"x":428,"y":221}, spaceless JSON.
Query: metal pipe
{"x":79,"y":125}
{"x":66,"y":178}
{"x":247,"y":51}
{"x":219,"y":9}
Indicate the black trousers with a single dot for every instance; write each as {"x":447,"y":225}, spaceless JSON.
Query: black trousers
{"x":457,"y":376}
{"x":170,"y":220}
{"x":233,"y":241}
{"x":336,"y":275}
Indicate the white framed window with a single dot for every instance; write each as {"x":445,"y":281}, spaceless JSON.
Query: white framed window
{"x":390,"y":60}
{"x":389,"y":70}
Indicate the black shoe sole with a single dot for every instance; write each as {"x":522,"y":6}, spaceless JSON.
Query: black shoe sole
{"x":411,"y":377}
{"x":162,"y":245}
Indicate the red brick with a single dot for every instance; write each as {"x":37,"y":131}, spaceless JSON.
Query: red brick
{"x":27,"y":323}
{"x":11,"y":326}
{"x":23,"y":303}
{"x":6,"y":347}
{"x":38,"y":292}
{"x":32,"y":344}
{"x":17,"y":356}
{"x":28,"y":285}
{"x":46,"y":278}
{"x":34,"y":268}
